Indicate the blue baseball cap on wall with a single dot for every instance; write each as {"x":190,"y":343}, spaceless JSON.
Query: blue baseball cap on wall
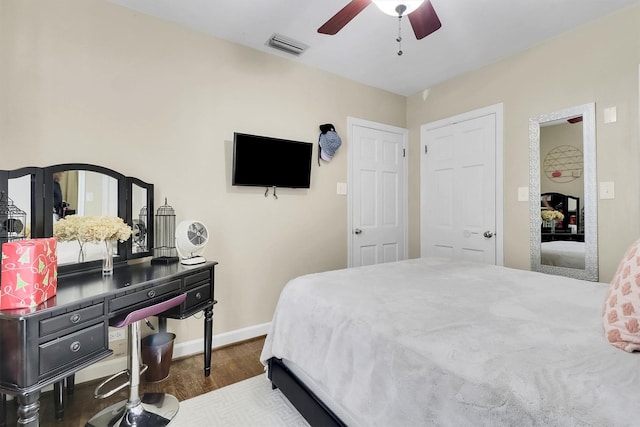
{"x":329,"y":142}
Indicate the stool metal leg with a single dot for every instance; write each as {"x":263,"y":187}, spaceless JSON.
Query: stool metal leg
{"x":152,"y":409}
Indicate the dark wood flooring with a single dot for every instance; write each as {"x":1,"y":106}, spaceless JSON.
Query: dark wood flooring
{"x":186,"y":379}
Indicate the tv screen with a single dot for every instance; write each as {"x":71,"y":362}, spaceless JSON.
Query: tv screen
{"x":271,"y":162}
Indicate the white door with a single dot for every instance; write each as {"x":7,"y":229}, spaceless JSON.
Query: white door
{"x":378,"y":193}
{"x":460,"y":183}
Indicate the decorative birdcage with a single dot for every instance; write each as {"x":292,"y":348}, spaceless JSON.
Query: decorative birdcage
{"x":13,"y":220}
{"x":142,"y":216}
{"x":164,"y":251}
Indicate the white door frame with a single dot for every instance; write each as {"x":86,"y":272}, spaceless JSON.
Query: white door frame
{"x":498,"y":111}
{"x":351,"y":123}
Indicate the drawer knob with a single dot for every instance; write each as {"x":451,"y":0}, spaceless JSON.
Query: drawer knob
{"x":75,"y":346}
{"x":198,"y":295}
{"x":151,"y":293}
{"x":75,"y":318}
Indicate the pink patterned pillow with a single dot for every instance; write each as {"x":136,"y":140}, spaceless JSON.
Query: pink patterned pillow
{"x":621,"y":315}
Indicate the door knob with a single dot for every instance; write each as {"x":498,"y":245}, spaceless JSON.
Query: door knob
{"x":357,"y":231}
{"x":488,"y":234}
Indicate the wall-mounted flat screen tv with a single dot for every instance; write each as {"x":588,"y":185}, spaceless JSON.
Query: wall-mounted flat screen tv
{"x":271,"y":162}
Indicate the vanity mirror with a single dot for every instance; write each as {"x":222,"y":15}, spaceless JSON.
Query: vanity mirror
{"x":562,"y":188}
{"x":20,"y":187}
{"x":50,"y":193}
{"x":141,"y":214}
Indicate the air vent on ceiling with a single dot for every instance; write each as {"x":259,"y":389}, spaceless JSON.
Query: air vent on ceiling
{"x":287,"y":44}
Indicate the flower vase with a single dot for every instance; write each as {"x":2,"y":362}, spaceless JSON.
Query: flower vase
{"x":553,"y":226}
{"x":107,"y":259}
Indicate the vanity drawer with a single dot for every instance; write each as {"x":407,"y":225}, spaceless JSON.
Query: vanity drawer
{"x":69,"y":349}
{"x":70,"y":319}
{"x":196,"y":297}
{"x":143,"y":295}
{"x":195,"y":278}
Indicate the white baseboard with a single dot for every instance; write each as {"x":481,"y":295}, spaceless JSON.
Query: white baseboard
{"x":189,"y":348}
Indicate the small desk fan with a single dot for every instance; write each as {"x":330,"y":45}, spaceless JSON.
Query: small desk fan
{"x":191,"y":239}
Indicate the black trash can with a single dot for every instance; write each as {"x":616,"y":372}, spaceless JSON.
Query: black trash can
{"x":157,"y":351}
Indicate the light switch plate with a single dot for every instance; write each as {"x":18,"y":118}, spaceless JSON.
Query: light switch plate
{"x":610,"y":115}
{"x":607,"y":190}
{"x":523,"y":194}
{"x":341,"y":188}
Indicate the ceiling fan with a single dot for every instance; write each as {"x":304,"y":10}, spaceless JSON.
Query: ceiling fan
{"x":422,"y":15}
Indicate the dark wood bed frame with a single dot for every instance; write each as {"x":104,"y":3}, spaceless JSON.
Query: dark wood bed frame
{"x":301,"y":397}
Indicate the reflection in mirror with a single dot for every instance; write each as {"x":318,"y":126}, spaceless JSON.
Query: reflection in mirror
{"x":139,"y":219}
{"x":140,"y":213}
{"x":19,"y":197}
{"x":83,"y":193}
{"x":562,"y":241}
{"x":563,"y":193}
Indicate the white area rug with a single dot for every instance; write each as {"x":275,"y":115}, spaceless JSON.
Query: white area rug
{"x":248,"y":403}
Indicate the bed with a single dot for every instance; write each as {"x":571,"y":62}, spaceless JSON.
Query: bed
{"x":442,"y":343}
{"x":561,"y":253}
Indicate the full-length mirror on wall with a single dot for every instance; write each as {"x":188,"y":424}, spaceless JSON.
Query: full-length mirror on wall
{"x":47,"y":195}
{"x":563,"y":194}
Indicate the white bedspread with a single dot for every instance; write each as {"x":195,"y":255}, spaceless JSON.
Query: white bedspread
{"x":430,"y":342}
{"x":563,"y":254}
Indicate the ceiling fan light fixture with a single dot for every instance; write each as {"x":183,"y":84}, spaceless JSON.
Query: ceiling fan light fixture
{"x":395,"y":7}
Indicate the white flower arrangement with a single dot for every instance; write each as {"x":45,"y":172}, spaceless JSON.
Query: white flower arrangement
{"x":550,"y":215}
{"x":91,"y":229}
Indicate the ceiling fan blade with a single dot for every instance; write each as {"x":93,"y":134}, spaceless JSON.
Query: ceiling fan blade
{"x":342,"y":18}
{"x":424,"y":20}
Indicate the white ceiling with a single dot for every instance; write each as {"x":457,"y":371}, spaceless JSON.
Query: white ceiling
{"x":474,"y":33}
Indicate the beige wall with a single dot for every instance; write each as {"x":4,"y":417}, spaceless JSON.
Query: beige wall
{"x":597,"y":63}
{"x":88,"y":81}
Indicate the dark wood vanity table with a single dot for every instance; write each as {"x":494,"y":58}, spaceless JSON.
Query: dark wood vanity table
{"x":70,"y":331}
{"x":49,"y":343}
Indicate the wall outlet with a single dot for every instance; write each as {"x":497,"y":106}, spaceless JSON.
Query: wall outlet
{"x":607,"y":190}
{"x":116,"y":334}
